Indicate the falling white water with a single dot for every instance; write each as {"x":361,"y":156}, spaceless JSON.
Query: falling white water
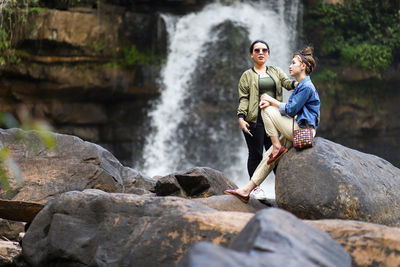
{"x":187,"y":36}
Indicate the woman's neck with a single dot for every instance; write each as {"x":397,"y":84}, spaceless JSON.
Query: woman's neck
{"x":300,"y":77}
{"x":260,"y":68}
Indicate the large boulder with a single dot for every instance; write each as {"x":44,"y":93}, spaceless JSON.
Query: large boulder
{"x":333,"y":181}
{"x":273,"y":237}
{"x":95,"y":228}
{"x":195,"y":182}
{"x":368,"y":244}
{"x":73,"y":165}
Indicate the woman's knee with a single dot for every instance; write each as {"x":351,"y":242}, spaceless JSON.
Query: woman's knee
{"x":270,"y":111}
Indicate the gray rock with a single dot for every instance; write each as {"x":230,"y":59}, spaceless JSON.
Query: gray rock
{"x":273,"y":237}
{"x":137,"y":183}
{"x":333,"y":181}
{"x":195,"y":182}
{"x":207,"y":254}
{"x":96,"y":228}
{"x":73,"y":165}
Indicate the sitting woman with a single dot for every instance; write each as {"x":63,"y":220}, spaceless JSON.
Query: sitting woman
{"x":302,"y":110}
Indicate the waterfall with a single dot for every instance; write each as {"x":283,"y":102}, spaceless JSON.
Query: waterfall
{"x":190,"y":38}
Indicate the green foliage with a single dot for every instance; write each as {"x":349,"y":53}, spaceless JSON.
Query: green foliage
{"x":361,"y":32}
{"x":99,"y":46}
{"x":367,"y":56}
{"x":7,"y":55}
{"x":13,"y":12}
{"x":36,"y":10}
{"x":326,"y":75}
{"x":131,"y":57}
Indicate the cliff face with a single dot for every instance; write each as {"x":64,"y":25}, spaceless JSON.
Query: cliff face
{"x":92,"y":69}
{"x":88,"y":69}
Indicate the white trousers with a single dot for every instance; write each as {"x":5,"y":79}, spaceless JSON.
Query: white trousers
{"x":274,"y":123}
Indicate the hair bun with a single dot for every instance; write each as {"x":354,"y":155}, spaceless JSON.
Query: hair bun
{"x":307,"y":53}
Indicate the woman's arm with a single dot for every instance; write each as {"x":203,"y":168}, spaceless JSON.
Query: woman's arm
{"x":267,"y":100}
{"x":296,"y":102}
{"x":288,"y":83}
{"x":244,"y":91}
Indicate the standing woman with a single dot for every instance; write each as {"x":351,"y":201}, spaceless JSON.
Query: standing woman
{"x":260,"y":79}
{"x":302,"y":110}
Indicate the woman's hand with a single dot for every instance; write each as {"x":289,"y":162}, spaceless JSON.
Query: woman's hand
{"x":271,"y":101}
{"x":264,"y":104}
{"x":244,"y":125}
{"x":266,"y":97}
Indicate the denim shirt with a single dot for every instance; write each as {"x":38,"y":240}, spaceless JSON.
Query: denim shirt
{"x":304,"y":102}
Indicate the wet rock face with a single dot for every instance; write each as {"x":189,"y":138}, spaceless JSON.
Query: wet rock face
{"x":121,"y":229}
{"x":275,"y":237}
{"x":333,"y":181}
{"x":74,"y":62}
{"x":66,"y":50}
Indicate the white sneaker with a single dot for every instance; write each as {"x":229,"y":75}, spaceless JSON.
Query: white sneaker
{"x":258,"y":193}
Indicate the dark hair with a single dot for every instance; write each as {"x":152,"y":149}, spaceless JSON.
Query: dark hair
{"x":258,"y":41}
{"x":306,"y":56}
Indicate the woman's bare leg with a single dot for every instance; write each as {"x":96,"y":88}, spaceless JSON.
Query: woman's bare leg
{"x":276,"y":145}
{"x":246,"y":190}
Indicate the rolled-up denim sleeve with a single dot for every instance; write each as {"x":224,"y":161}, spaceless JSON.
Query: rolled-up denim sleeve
{"x":282,"y":109}
{"x":297,"y":101}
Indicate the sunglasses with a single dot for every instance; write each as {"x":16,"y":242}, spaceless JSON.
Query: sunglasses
{"x":264,"y":50}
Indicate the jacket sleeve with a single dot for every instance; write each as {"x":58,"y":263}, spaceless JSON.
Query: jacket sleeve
{"x":244,"y":91}
{"x":285,"y":80}
{"x":296,"y":102}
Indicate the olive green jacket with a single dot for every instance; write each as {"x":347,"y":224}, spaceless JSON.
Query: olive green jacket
{"x":249,"y":97}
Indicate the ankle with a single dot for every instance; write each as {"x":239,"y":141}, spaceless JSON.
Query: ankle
{"x":277,"y":147}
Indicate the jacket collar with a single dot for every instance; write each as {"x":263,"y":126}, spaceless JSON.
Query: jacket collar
{"x":306,"y":79}
{"x":252,"y":68}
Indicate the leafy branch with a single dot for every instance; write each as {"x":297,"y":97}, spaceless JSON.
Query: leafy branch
{"x":365,"y":33}
{"x":41,"y":129}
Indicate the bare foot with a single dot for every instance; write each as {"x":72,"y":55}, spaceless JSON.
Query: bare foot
{"x":242,"y":191}
{"x":275,"y":151}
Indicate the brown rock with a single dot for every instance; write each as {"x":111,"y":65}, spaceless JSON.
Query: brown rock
{"x":368,"y":244}
{"x":74,"y":28}
{"x":11,"y":229}
{"x":19,"y":210}
{"x":73,"y":165}
{"x":193,"y":183}
{"x":121,"y":229}
{"x":272,"y":238}
{"x":77,"y":113}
